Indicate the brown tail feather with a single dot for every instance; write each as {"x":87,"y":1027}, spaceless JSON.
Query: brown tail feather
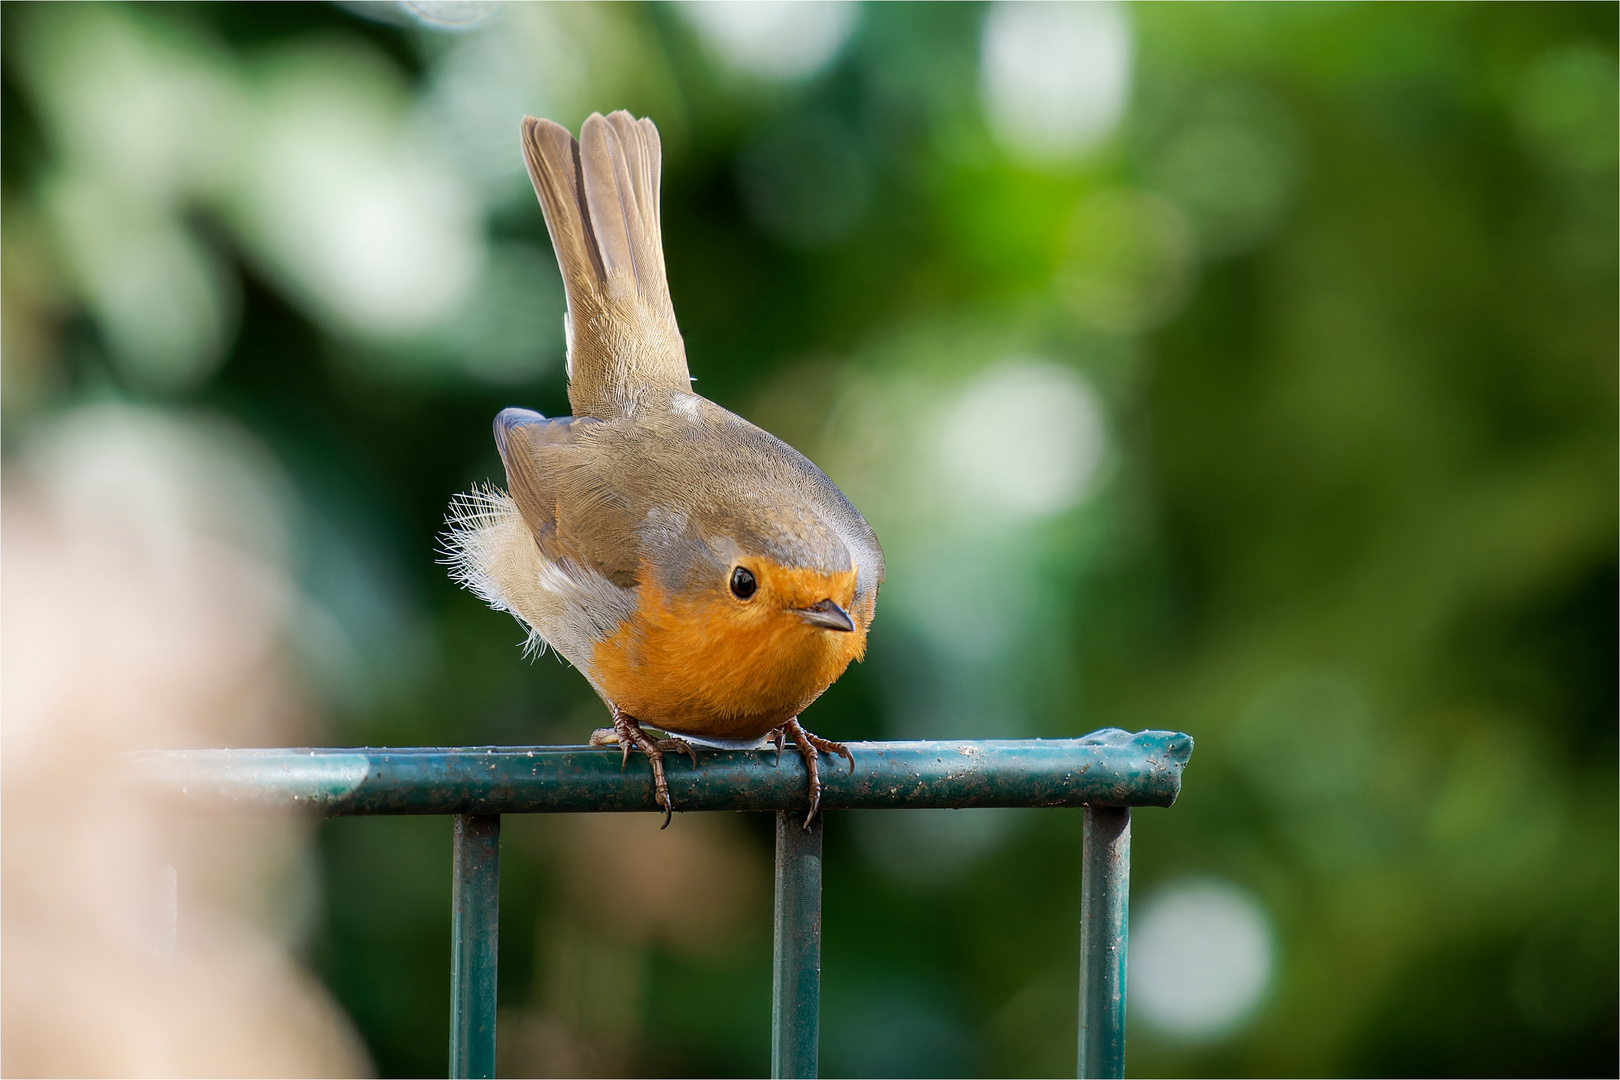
{"x":601,"y":201}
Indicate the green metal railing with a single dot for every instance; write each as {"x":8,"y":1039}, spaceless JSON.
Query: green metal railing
{"x":1107,"y":773}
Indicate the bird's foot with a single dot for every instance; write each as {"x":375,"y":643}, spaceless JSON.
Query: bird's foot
{"x":808,"y":745}
{"x":626,"y":732}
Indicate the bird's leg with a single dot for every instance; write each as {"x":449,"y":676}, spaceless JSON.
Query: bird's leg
{"x":626,"y":731}
{"x":807,"y":745}
{"x":777,"y":736}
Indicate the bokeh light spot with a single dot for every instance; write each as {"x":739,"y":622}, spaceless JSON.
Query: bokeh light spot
{"x":378,"y":239}
{"x":1201,"y":958}
{"x":1054,"y":76}
{"x":165,"y":305}
{"x":1025,"y":437}
{"x":773,"y":39}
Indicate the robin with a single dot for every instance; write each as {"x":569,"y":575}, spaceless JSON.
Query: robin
{"x":708,"y":580}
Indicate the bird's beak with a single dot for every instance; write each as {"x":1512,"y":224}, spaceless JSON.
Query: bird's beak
{"x":827,"y":615}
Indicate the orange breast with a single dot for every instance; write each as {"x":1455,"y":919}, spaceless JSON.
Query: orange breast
{"x":716,"y":667}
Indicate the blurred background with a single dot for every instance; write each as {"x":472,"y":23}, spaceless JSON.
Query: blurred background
{"x":1250,"y":370}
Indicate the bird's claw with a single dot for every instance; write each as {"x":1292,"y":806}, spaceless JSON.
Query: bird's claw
{"x":808,"y":745}
{"x":627,"y":733}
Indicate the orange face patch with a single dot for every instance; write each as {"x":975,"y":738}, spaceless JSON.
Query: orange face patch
{"x":715,"y":666}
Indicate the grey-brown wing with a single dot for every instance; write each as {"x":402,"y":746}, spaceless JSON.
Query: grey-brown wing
{"x":555,"y":475}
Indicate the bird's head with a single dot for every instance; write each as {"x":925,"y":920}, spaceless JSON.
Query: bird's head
{"x":756,"y":614}
{"x":788,"y":584}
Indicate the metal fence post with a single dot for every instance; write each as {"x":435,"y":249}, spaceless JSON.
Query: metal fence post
{"x":796,"y":986}
{"x":1105,"y":891}
{"x":475,"y":944}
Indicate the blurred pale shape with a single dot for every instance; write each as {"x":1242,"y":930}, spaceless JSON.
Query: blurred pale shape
{"x":1023,"y":439}
{"x":1054,"y":76}
{"x":143,"y":508}
{"x":448,"y":14}
{"x":1566,"y":104}
{"x":964,"y":483}
{"x":142,"y":119}
{"x":160,"y":295}
{"x":359,"y":222}
{"x":805,"y":180}
{"x":527,"y":61}
{"x":130,"y":99}
{"x":144,"y":605}
{"x":1231,"y":165}
{"x":1201,"y":958}
{"x":476,"y":94}
{"x":311,"y":162}
{"x":509,"y":329}
{"x":968,"y":589}
{"x":168,"y":484}
{"x":773,"y":39}
{"x":1128,"y":261}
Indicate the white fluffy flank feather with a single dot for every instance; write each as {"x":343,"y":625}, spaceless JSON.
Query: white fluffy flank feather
{"x":476,"y":520}
{"x":485,"y":529}
{"x":490,"y":550}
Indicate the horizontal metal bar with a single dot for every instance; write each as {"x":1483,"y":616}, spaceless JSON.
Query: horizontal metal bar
{"x":1107,"y":768}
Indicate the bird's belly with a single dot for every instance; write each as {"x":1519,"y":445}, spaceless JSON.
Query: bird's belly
{"x":692,"y":680}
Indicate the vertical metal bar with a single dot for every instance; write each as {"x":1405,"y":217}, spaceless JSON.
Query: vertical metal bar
{"x":1105,"y":893}
{"x":796,"y":987}
{"x":475,"y":944}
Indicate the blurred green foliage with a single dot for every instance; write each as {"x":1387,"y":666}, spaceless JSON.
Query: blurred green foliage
{"x":1329,"y":323}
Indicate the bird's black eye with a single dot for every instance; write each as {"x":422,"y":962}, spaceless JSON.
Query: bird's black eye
{"x":743,"y":584}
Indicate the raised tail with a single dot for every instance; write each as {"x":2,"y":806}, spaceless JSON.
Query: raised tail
{"x":600,"y":195}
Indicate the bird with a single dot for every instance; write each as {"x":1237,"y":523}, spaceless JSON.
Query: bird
{"x":707,"y":579}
